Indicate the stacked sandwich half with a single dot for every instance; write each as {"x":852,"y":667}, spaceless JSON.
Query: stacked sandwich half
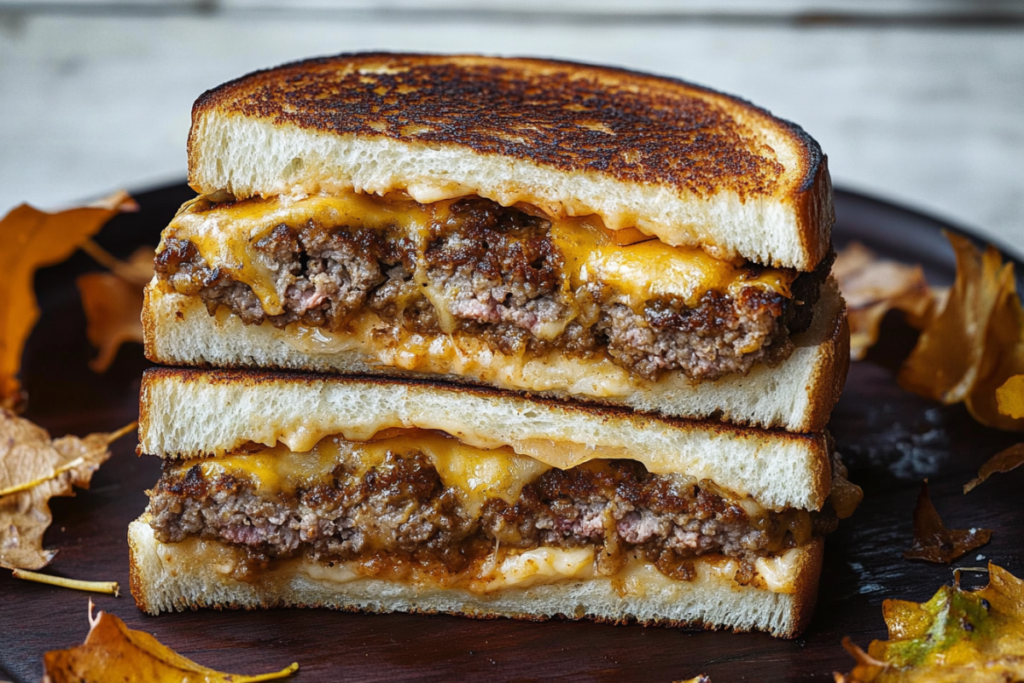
{"x":493,"y":337}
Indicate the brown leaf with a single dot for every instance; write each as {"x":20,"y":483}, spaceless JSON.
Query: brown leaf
{"x":31,"y":239}
{"x":872,"y":287}
{"x":113,"y":305}
{"x":933,"y":541}
{"x":34,"y":469}
{"x":956,"y":637}
{"x":970,"y":349}
{"x":112,"y":651}
{"x":1005,"y":460}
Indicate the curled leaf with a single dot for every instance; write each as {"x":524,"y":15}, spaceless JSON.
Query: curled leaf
{"x":1005,"y":460}
{"x":956,"y":636}
{"x":31,"y":239}
{"x":933,"y":541}
{"x":1010,"y":397}
{"x":970,"y":349}
{"x":112,"y":651}
{"x":34,"y":469}
{"x":872,"y":287}
{"x":866,"y":669}
{"x":113,"y":303}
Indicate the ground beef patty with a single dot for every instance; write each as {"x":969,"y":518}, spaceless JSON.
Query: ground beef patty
{"x":401,"y":506}
{"x":498,"y":273}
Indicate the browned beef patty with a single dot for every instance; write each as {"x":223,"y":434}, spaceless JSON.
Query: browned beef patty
{"x":499,"y":272}
{"x":401,"y":506}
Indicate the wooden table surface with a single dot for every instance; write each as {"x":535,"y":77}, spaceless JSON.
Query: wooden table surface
{"x":890,"y":440}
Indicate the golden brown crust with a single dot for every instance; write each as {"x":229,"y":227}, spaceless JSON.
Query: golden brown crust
{"x":135,"y":578}
{"x":806,"y":589}
{"x":814,"y":207}
{"x":830,"y":375}
{"x":626,"y":125}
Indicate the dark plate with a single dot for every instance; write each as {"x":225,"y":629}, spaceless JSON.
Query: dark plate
{"x":891,"y":440}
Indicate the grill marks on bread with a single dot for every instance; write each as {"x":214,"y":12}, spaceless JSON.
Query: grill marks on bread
{"x":574,"y":118}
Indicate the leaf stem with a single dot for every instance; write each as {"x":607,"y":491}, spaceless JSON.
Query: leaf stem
{"x":71,"y":464}
{"x":283,"y":673}
{"x":108,"y":587}
{"x":17,"y":488}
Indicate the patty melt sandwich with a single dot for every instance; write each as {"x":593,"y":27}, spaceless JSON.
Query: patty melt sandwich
{"x":566,"y":230}
{"x":376,"y":494}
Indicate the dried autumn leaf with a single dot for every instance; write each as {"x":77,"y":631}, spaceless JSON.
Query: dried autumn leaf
{"x":112,"y":651}
{"x":31,"y":239}
{"x":113,"y":305}
{"x":872,"y":287}
{"x":33,"y":469}
{"x":866,"y":669}
{"x":976,"y":343}
{"x":933,"y":541}
{"x":1005,"y":460}
{"x":957,"y":636}
{"x":1010,"y":397}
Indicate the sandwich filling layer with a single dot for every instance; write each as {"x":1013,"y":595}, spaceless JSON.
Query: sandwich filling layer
{"x":412,"y":503}
{"x":523,"y":284}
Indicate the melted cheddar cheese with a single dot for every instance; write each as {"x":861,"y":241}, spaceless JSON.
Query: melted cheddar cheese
{"x":636,"y":268}
{"x":505,"y":569}
{"x":475,"y":474}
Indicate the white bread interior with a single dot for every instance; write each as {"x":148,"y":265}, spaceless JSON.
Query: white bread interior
{"x":797,"y":395}
{"x":248,"y":156}
{"x":190,"y":413}
{"x":190,"y":575}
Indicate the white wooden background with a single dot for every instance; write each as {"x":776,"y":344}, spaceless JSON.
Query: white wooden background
{"x":921,"y":102}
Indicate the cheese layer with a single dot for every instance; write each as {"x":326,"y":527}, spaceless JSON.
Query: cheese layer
{"x":475,"y":474}
{"x":225,"y":235}
{"x":506,"y":569}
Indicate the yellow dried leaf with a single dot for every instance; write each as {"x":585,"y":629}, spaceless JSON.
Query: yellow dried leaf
{"x":33,"y":469}
{"x":966,"y":352}
{"x":31,"y":239}
{"x":1010,"y":397}
{"x":957,"y":636}
{"x":113,"y":305}
{"x":112,"y":651}
{"x":872,"y":287}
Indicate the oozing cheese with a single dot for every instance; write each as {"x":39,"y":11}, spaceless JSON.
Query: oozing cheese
{"x":475,"y":466}
{"x":474,"y":474}
{"x":226,"y":234}
{"x":506,"y":569}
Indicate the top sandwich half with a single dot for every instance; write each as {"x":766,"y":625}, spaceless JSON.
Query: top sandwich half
{"x":619,"y":229}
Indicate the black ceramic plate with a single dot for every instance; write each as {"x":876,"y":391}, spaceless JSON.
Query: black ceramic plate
{"x":890,"y":439}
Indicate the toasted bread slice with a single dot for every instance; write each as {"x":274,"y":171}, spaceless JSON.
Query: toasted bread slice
{"x":686,"y":164}
{"x":797,"y":395}
{"x":190,"y":413}
{"x":196,"y":573}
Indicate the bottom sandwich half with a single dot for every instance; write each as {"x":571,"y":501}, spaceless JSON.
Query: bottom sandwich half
{"x":541,"y":584}
{"x":364,"y":494}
